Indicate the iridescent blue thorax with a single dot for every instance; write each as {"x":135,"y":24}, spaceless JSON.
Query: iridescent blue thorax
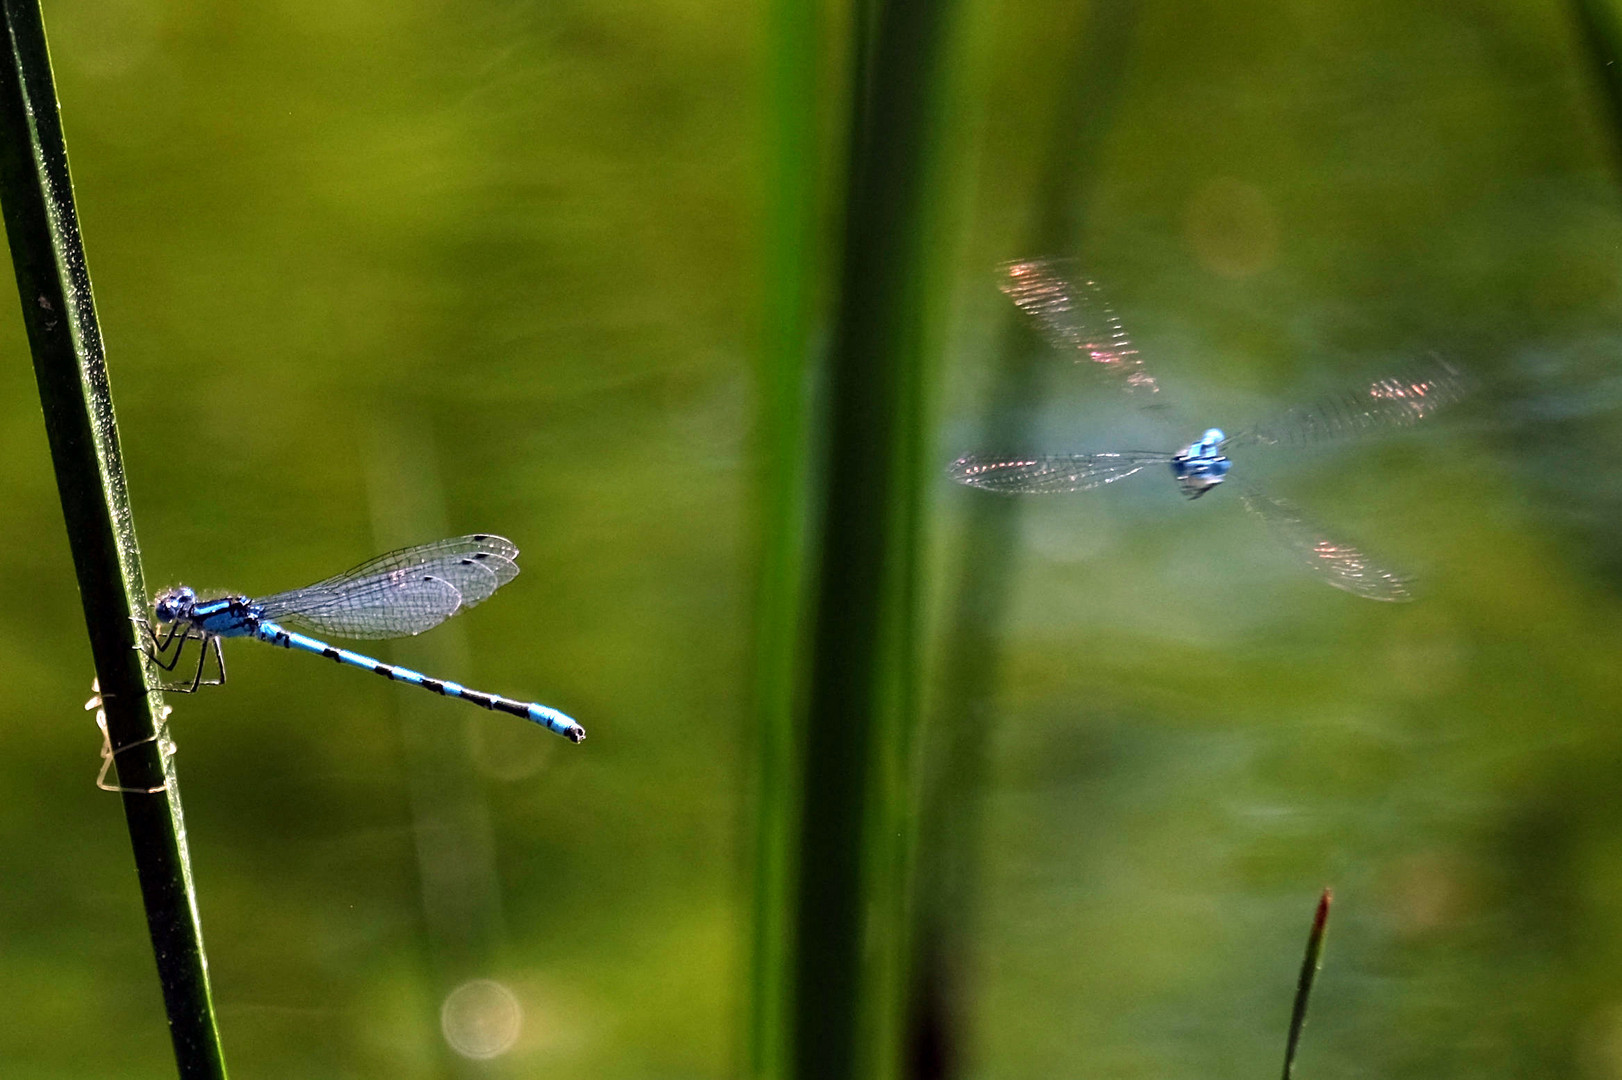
{"x":229,"y":616}
{"x":1200,"y":466}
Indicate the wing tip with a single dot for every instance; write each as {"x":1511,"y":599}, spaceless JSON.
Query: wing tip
{"x":492,"y":543}
{"x":977,"y":472}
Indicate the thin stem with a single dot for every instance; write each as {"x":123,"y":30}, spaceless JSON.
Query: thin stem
{"x":1303,"y":989}
{"x":36,"y":195}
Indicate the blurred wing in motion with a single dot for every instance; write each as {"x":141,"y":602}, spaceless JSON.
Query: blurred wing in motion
{"x":1043,"y":475}
{"x":1074,"y":317}
{"x":1399,"y":401}
{"x":1338,"y":564}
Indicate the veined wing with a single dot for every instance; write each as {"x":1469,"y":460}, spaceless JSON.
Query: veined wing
{"x":1338,"y":564}
{"x":384,"y":608}
{"x":403,"y":592}
{"x":1050,"y":474}
{"x":472,"y":546}
{"x":477,"y":565}
{"x":1401,"y":400}
{"x":1072,"y":314}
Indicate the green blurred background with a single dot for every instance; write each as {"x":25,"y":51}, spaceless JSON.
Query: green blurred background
{"x":372,"y":273}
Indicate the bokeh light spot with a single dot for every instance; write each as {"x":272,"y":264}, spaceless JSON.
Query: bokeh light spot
{"x":481,"y":1019}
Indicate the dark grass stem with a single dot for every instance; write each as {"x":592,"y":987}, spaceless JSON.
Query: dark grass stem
{"x":53,"y":283}
{"x":1600,"y":35}
{"x":1303,"y":989}
{"x":838,"y":646}
{"x":861,"y":697}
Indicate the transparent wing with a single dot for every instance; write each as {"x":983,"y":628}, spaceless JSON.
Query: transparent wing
{"x":1072,"y":314}
{"x":1041,"y":475}
{"x":1399,"y":401}
{"x":409,"y":605}
{"x":401,"y":593}
{"x":471,"y":546}
{"x":1337,"y":563}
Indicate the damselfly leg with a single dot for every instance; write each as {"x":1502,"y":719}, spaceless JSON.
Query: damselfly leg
{"x":157,"y":648}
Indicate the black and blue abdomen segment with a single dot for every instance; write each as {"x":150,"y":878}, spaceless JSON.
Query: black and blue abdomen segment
{"x":551,"y":719}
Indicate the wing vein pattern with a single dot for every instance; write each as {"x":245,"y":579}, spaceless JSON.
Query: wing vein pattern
{"x":1072,"y":314}
{"x":1336,"y":563}
{"x":1052,"y":473}
{"x":1398,"y":401}
{"x":401,"y":593}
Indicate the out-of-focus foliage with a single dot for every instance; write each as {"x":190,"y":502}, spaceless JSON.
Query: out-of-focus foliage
{"x":373,"y":273}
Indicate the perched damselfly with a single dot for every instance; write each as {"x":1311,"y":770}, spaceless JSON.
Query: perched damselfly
{"x":396,"y":595}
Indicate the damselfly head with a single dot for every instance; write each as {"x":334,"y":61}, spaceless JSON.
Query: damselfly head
{"x":175,"y":604}
{"x":1200,"y":466}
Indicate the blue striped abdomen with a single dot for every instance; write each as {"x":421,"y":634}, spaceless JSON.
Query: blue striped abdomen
{"x":272,"y":634}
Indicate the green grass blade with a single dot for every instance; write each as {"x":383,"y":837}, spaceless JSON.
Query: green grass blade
{"x":1600,"y":33}
{"x":53,"y":283}
{"x":1303,"y":990}
{"x":793,"y":258}
{"x":842,"y":816}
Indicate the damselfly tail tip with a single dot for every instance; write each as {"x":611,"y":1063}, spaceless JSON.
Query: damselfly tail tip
{"x":554,"y":721}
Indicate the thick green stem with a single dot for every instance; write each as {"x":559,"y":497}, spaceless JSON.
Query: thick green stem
{"x":1601,"y":37}
{"x":849,"y":929}
{"x":793,"y":258}
{"x":36,"y":195}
